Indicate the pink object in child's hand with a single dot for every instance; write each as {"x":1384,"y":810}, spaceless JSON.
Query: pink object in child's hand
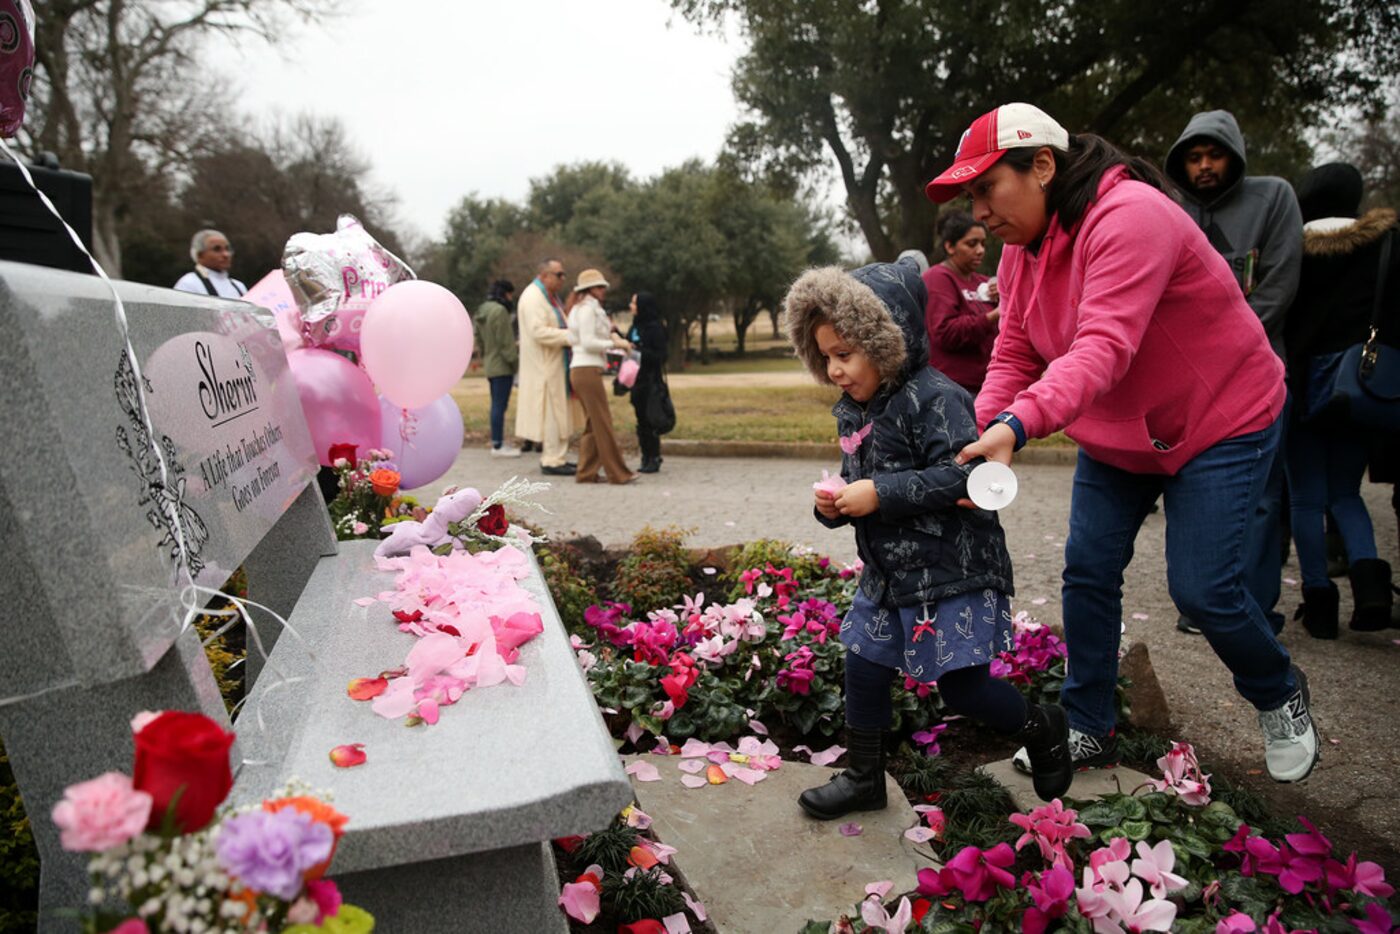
{"x":829,"y":483}
{"x":627,"y":372}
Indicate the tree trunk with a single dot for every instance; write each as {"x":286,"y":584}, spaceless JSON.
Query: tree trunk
{"x":704,"y":337}
{"x":106,"y":242}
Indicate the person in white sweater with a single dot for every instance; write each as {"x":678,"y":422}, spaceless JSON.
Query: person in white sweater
{"x":593,"y":337}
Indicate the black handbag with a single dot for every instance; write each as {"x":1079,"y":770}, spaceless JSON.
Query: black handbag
{"x":660,"y":413}
{"x":1360,"y":385}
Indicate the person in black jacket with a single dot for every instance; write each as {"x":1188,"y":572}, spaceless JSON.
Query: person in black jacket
{"x":1326,"y":456}
{"x":648,"y":335}
{"x":934,"y":594}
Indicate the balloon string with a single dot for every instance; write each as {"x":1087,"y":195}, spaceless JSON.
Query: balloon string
{"x":125,"y":331}
{"x":188,"y":592}
{"x":408,"y":427}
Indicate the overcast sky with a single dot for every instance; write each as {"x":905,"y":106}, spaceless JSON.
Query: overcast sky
{"x":447,"y":98}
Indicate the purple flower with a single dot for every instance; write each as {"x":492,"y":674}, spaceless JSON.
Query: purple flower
{"x":268,"y":851}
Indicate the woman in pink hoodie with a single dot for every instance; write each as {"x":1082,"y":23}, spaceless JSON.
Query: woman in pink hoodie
{"x":1123,"y":327}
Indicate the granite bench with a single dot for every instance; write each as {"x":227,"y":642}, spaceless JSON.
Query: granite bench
{"x":450,"y":824}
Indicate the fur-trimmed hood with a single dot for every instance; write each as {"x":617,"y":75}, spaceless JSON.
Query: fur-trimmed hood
{"x":1346,"y":235}
{"x":879,"y":308}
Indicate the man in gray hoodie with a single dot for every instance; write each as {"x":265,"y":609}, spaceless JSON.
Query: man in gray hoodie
{"x":1254,"y":222}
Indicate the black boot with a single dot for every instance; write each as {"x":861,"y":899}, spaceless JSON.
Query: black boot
{"x":1318,"y":611}
{"x":650,"y":465}
{"x":1046,"y":738}
{"x":1370,"y":588}
{"x":860,"y":788}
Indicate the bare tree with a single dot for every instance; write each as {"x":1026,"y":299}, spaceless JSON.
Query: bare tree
{"x":120,"y":94}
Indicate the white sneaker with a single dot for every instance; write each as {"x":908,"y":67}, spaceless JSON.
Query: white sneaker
{"x":506,"y":450}
{"x":1291,"y":747}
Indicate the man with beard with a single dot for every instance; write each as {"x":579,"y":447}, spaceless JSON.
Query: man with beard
{"x":1254,"y":222}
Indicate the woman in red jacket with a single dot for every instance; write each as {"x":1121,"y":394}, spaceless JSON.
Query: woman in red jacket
{"x":1123,"y":327}
{"x":961,"y":315}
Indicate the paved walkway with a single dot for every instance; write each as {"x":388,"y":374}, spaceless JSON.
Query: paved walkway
{"x":1354,"y":680}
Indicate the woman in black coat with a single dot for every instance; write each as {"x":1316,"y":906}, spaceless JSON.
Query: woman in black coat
{"x":648,"y":335}
{"x":1326,"y":454}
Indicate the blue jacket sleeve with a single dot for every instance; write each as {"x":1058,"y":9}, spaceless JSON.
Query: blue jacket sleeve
{"x":932,"y":437}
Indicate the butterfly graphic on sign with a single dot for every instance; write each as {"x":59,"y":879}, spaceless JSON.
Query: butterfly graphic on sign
{"x":164,"y":497}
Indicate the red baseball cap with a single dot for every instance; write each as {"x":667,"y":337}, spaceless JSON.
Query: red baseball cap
{"x":1010,"y":126}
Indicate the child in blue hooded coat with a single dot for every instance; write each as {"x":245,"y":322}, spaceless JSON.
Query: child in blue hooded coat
{"x":934,"y":597}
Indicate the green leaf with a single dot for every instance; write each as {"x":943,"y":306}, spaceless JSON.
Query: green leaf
{"x":1136,"y":829}
{"x":1192,"y":844}
{"x":805,"y":719}
{"x":1100,"y":814}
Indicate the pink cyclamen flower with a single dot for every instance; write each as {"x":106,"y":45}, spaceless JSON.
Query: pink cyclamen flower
{"x":1235,"y":923}
{"x":101,"y":813}
{"x":1129,"y":909}
{"x":928,"y":739}
{"x":876,"y":918}
{"x":1050,"y":827}
{"x":1051,"y":897}
{"x":1377,"y":920}
{"x":1154,"y":866}
{"x":750,"y":577}
{"x":1182,"y":774}
{"x":1364,"y":877}
{"x":978,"y":873}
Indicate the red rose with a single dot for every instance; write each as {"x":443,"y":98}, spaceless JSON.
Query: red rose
{"x":346,"y":451}
{"x":494,"y":522}
{"x":188,"y":751}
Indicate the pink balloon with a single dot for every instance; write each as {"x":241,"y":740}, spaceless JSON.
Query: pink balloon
{"x":627,"y":372}
{"x":416,"y":342}
{"x":272,"y":293}
{"x":425,"y":442}
{"x":16,"y":62}
{"x":337,"y":399}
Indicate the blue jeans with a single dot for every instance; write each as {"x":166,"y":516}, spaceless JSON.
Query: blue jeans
{"x":1264,"y":574}
{"x":1324,"y":473}
{"x":1209,"y":506}
{"x":500,"y":398}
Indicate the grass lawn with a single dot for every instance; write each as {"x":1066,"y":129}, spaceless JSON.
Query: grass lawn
{"x":722,"y":410}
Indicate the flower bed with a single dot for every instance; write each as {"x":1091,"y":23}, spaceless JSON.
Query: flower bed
{"x":762,"y":655}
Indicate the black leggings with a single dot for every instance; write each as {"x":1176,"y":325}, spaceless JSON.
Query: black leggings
{"x":972,"y":692}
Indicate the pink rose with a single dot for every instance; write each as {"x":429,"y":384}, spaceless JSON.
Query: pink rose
{"x":102,"y":813}
{"x":131,"y":926}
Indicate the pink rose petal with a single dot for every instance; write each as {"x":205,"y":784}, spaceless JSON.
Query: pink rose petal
{"x":920,"y":834}
{"x":696,"y":908}
{"x":828,"y":756}
{"x":366,"y":601}
{"x":851,"y":829}
{"x":1039,"y":601}
{"x":644,"y":771}
{"x":1140,"y":616}
{"x":694,"y":781}
{"x":748,"y":776}
{"x":691,"y":765}
{"x":694,"y":747}
{"x":676,"y":923}
{"x":580,"y":901}
{"x":758,"y":728}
